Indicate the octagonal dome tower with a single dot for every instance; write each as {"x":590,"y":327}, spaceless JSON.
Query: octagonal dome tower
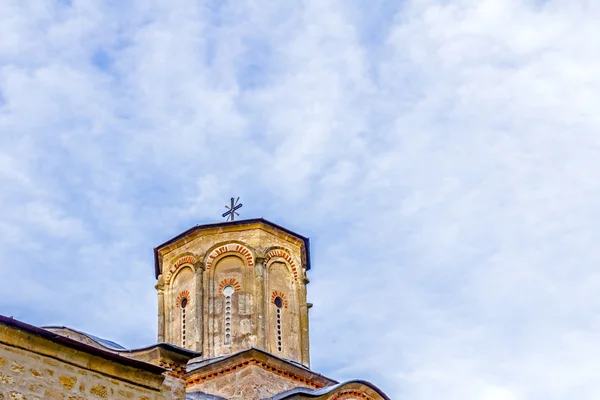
{"x":228,"y":287}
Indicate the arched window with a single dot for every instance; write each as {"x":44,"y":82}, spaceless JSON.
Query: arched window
{"x":183,"y":304}
{"x":279,"y":305}
{"x":228,"y":291}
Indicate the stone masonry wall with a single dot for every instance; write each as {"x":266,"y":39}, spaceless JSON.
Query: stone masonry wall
{"x":271,"y":261}
{"x":249,"y":383}
{"x":27,"y":374}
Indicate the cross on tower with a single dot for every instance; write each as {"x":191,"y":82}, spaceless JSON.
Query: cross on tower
{"x":232,"y":210}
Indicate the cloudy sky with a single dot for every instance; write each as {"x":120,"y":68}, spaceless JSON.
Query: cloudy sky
{"x":443,"y":157}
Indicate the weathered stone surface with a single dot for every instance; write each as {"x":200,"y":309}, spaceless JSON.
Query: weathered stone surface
{"x":32,"y":367}
{"x":68,"y":381}
{"x":262,"y":263}
{"x":235,"y":292}
{"x":249,"y":383}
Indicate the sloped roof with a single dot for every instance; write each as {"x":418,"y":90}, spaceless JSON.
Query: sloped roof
{"x":202,"y":396}
{"x":116,"y":347}
{"x":230,"y":362}
{"x":109,"y":344}
{"x":198,"y":363}
{"x":168,"y":346}
{"x":231,"y":223}
{"x":74,"y":344}
{"x":313,"y":393}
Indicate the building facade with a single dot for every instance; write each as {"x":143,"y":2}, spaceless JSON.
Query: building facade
{"x":233,"y":323}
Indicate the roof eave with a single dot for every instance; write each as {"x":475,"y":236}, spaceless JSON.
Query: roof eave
{"x":238,"y":222}
{"x":308,"y":393}
{"x":74,"y":344}
{"x":248,"y":353}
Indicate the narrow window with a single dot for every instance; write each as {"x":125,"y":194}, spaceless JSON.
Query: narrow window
{"x":278,"y":303}
{"x":183,"y":304}
{"x":228,"y":292}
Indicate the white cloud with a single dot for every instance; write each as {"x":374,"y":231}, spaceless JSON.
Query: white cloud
{"x":441,"y":155}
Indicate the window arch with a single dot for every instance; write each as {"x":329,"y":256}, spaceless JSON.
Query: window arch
{"x":237,"y":249}
{"x":225,"y":299}
{"x":183,"y":262}
{"x":279,"y":300}
{"x":228,"y":291}
{"x":182,"y":303}
{"x":282,"y":254}
{"x":279,"y":305}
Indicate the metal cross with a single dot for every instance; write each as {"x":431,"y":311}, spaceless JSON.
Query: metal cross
{"x":232,"y":210}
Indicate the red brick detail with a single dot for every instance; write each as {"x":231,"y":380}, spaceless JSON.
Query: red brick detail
{"x":182,"y":295}
{"x":174,"y":369}
{"x":177,"y":264}
{"x":230,"y":248}
{"x":276,"y":294}
{"x":351,"y":394}
{"x":286,"y":256}
{"x":231,"y":282}
{"x":228,"y":370}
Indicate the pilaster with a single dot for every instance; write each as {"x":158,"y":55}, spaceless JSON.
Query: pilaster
{"x":160,"y":289}
{"x":304,"y":321}
{"x":199,"y":268}
{"x":260,"y":301}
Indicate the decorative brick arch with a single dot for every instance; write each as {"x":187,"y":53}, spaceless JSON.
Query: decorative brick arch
{"x":276,"y":294}
{"x":286,"y":256}
{"x":351,"y":394}
{"x":183,"y":295}
{"x":180,"y":261}
{"x":230,"y":248}
{"x":229,"y":282}
{"x":223,"y":371}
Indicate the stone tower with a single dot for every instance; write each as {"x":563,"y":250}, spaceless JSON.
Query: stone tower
{"x":227,"y":287}
{"x":232,"y":325}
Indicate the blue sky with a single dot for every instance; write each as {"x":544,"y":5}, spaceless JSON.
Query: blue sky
{"x":443,"y":156}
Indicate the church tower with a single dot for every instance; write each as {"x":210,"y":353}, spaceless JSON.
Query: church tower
{"x":227,"y":287}
{"x":232,"y":325}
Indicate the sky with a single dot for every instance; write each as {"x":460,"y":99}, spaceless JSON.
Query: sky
{"x":443,"y":157}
